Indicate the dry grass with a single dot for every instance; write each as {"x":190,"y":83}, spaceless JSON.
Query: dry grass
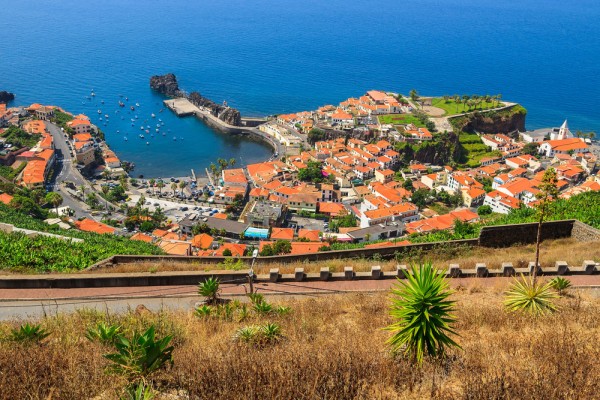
{"x":569,"y":250}
{"x":334,"y":348}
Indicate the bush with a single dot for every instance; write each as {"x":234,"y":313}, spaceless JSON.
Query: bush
{"x":423,"y":314}
{"x":530,"y":296}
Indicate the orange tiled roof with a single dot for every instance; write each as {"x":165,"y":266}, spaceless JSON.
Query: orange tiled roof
{"x":312,"y":235}
{"x":282,"y":233}
{"x":142,"y":237}
{"x":202,"y":241}
{"x":237,"y":249}
{"x":89,"y":225}
{"x":5,"y":198}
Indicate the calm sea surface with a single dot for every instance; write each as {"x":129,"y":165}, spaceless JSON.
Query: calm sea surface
{"x":268,"y":56}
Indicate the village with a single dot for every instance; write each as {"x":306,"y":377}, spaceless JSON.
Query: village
{"x":346,"y":178}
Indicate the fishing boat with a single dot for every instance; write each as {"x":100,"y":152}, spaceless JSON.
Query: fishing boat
{"x":121,"y":104}
{"x":100,"y":118}
{"x":132,"y":108}
{"x":141,"y":136}
{"x":147,"y":131}
{"x":152,"y":115}
{"x":125,"y":138}
{"x":99,"y":111}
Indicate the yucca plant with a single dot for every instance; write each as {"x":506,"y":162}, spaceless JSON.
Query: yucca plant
{"x":530,"y":296}
{"x":105,"y":334}
{"x":140,"y":356}
{"x":561,"y":285}
{"x":204,"y":311}
{"x":210,"y":290}
{"x":256,"y":298}
{"x":29,"y":333}
{"x":422,"y":313}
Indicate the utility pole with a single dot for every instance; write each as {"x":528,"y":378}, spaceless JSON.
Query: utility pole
{"x":251,"y":272}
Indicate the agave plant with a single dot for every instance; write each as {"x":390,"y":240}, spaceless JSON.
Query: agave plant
{"x":204,"y":311}
{"x":247,"y":334}
{"x":283,"y":310}
{"x":210,"y":290}
{"x":139,"y":391}
{"x":530,"y":296}
{"x":105,"y":334}
{"x":422,"y":313}
{"x":262,"y":308}
{"x":256,"y":298}
{"x":29,"y":333}
{"x":141,"y":355}
{"x":560,"y":284}
{"x":271,"y":332}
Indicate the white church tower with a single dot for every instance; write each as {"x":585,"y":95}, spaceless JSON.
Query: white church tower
{"x":563,"y":132}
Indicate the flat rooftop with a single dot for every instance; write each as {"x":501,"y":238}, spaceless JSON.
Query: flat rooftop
{"x":181,"y":106}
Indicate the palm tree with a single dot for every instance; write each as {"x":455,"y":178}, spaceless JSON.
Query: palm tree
{"x":465,"y":98}
{"x":213,"y":169}
{"x":160,"y":185}
{"x":231,"y":162}
{"x":105,"y":190}
{"x":82,"y":189}
{"x":414,"y":96}
{"x":152,"y":182}
{"x":55,"y":199}
{"x":458,"y":101}
{"x":182,"y":184}
{"x":173,"y":187}
{"x":123,"y":182}
{"x":498,"y":97}
{"x":222,"y":163}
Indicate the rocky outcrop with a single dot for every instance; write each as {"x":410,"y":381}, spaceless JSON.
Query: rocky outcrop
{"x":167,"y":85}
{"x":6,"y":97}
{"x":505,"y":121}
{"x":226,"y":114}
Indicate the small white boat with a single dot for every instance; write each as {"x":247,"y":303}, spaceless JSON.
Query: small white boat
{"x":141,"y":136}
{"x":159,"y":120}
{"x":136,"y":117}
{"x":147,"y":131}
{"x":99,"y":111}
{"x":164,"y":134}
{"x":100,"y":118}
{"x":152,"y":115}
{"x":102,"y":101}
{"x":132,"y":120}
{"x":125,"y":138}
{"x":157,"y":130}
{"x":147,"y":143}
{"x":174,"y":138}
{"x":141,"y":128}
{"x":93,"y":94}
{"x":137,"y":104}
{"x":105,"y":115}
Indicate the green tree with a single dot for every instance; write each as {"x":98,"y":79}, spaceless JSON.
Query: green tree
{"x":312,"y":172}
{"x":152,"y":182}
{"x":232,"y":162}
{"x":419,"y":198}
{"x":414,"y":95}
{"x":105,"y":190}
{"x":531,"y":149}
{"x":282,"y":247}
{"x":174,"y":187}
{"x":160,"y":185}
{"x":484,"y":210}
{"x":227,"y":253}
{"x":408,"y":185}
{"x":55,"y":199}
{"x":422,"y":313}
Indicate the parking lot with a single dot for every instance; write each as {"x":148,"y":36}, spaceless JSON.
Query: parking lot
{"x":173,"y":210}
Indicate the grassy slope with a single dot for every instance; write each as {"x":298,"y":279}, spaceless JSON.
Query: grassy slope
{"x":334,"y":348}
{"x":42,"y":254}
{"x":400,"y":119}
{"x":451,"y":107}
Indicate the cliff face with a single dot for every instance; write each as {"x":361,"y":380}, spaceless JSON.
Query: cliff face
{"x":6,"y":97}
{"x":167,"y":85}
{"x":505,"y":121}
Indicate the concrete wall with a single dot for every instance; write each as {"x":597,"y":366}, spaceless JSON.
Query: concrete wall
{"x":508,"y":235}
{"x":584,"y":233}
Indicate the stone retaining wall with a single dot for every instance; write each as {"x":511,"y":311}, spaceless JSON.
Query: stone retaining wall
{"x":509,"y":235}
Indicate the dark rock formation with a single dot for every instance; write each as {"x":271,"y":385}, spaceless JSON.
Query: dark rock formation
{"x":6,"y":97}
{"x":225,"y":114}
{"x":167,"y":85}
{"x":505,"y":121}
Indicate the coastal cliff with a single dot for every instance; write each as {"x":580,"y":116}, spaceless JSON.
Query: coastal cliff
{"x":226,"y":114}
{"x":6,"y":97}
{"x":167,"y":85}
{"x":505,"y":121}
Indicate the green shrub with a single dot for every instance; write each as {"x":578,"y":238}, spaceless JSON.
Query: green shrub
{"x":210,"y":290}
{"x":105,"y":334}
{"x":422,"y":313}
{"x":530,"y":296}
{"x":29,"y":333}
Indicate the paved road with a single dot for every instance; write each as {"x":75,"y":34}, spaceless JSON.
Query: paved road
{"x":64,"y":170}
{"x":22,"y":303}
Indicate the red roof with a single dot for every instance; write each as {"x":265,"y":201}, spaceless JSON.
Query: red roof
{"x":282,"y":233}
{"x":89,"y":225}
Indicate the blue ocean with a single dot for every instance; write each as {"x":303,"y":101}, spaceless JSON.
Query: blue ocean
{"x":267,"y":57}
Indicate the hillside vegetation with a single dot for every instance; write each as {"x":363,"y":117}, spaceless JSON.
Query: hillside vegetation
{"x":332,"y":348}
{"x":19,"y":253}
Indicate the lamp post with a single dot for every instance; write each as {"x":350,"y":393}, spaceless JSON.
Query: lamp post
{"x":251,"y":272}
